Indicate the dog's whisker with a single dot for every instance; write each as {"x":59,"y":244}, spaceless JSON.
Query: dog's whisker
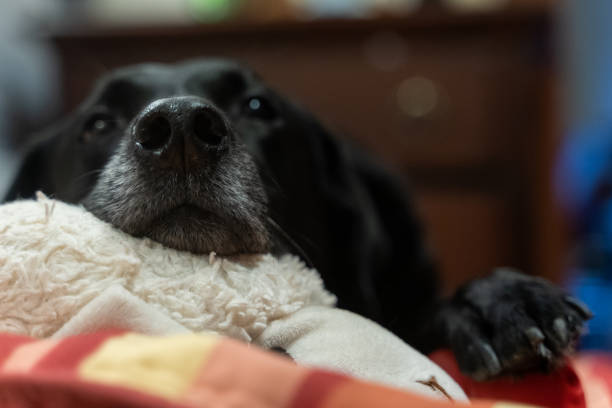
{"x":285,"y":236}
{"x":268,"y":176}
{"x":89,"y":173}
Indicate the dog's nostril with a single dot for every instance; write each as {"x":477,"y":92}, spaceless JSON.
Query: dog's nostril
{"x":154,"y":134}
{"x":208,"y":128}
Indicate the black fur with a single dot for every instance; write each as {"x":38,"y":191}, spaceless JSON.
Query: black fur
{"x":283,"y":182}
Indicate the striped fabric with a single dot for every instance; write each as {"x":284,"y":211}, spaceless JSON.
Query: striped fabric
{"x":115,"y":369}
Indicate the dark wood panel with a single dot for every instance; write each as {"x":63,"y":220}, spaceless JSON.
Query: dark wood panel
{"x":470,"y":234}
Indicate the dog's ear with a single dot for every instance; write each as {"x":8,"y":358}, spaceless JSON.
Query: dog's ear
{"x":33,"y":173}
{"x":381,"y":232}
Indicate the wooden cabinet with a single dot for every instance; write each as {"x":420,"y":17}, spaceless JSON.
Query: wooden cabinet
{"x":459,"y":104}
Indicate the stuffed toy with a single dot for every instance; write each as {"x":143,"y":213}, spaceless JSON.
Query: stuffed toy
{"x":64,"y":272}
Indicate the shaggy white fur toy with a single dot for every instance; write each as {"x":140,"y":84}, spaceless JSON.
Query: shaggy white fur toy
{"x":64,"y":272}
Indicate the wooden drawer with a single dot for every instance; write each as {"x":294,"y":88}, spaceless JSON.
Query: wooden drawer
{"x":450,"y":98}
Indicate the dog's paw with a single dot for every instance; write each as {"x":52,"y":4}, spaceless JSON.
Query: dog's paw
{"x":511,"y":323}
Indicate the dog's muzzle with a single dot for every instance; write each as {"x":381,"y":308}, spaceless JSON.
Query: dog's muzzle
{"x":184,"y":134}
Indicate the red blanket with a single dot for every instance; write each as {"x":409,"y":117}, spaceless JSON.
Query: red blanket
{"x":129,"y":370}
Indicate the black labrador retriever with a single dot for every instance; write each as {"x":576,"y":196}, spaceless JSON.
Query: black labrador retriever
{"x":202,"y":156}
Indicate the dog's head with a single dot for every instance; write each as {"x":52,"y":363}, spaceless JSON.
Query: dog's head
{"x":203,"y":156}
{"x":168,"y":152}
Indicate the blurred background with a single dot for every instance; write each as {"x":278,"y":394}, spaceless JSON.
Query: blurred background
{"x":496,"y":112}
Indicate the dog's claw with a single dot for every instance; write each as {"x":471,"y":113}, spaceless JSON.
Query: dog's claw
{"x":580,"y":307}
{"x":535,"y":336}
{"x":544,"y":352}
{"x":560,"y":328}
{"x":490,"y":359}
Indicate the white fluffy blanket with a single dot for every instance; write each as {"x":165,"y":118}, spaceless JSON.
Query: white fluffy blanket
{"x":64,"y":272}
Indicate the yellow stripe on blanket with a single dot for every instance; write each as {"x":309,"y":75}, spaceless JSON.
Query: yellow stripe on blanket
{"x":164,"y":366}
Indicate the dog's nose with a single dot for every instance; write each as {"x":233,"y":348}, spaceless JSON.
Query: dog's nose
{"x":180,"y":132}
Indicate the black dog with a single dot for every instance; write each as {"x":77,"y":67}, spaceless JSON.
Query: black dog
{"x":202,"y":156}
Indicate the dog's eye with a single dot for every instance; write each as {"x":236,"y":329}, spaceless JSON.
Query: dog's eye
{"x":99,"y":124}
{"x":260,"y":107}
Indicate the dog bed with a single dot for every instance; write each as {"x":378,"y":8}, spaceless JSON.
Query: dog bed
{"x":66,"y":278}
{"x":121,"y":369}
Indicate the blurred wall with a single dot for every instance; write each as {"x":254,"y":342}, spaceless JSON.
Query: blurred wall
{"x":586,"y":31}
{"x":28,"y":78}
{"x":584,"y":174}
